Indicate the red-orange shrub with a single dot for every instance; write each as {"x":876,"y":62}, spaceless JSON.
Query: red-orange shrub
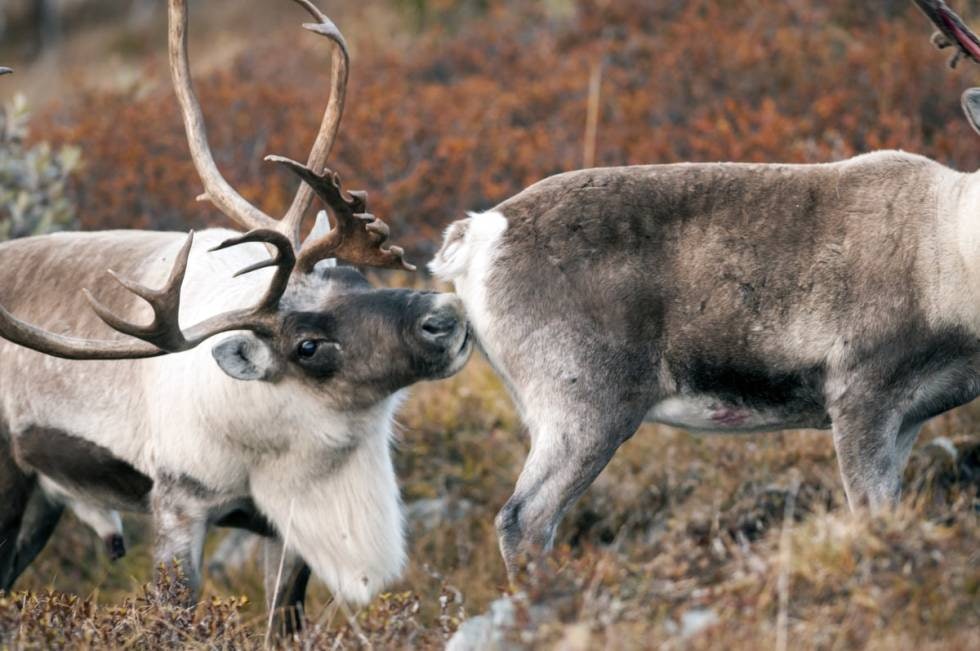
{"x":462,"y":121}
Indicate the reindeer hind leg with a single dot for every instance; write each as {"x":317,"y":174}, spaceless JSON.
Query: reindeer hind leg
{"x":16,"y":487}
{"x":580,"y":401}
{"x":869,"y":456}
{"x":15,"y":491}
{"x":41,"y":516}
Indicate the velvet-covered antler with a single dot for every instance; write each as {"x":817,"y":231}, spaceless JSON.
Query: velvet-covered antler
{"x":357,"y":236}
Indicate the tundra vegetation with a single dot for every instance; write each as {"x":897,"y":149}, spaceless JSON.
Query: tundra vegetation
{"x":32,"y":177}
{"x":683,"y":541}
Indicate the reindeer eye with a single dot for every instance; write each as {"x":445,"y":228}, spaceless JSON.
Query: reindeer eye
{"x":307,"y":348}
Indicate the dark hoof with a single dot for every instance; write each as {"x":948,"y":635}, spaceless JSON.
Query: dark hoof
{"x":115,"y":546}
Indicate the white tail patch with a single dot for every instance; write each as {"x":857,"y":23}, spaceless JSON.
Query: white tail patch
{"x":464,"y":240}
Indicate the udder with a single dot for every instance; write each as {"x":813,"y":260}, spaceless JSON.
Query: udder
{"x":711,"y":414}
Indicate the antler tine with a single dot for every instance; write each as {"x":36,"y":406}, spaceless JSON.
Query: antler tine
{"x":217,"y":189}
{"x":284,"y":261}
{"x":163,"y":334}
{"x":358,"y":237}
{"x":330,"y":125}
{"x":952,"y":31}
{"x":49,"y":343}
{"x":164,"y":331}
{"x":318,"y":15}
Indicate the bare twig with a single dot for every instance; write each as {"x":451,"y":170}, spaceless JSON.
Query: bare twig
{"x":325,"y":621}
{"x":282,"y":564}
{"x":592,"y":115}
{"x":352,"y":620}
{"x":785,"y":556}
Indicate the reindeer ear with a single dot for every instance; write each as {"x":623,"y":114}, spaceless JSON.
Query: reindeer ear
{"x":971,"y":106}
{"x":245,"y":357}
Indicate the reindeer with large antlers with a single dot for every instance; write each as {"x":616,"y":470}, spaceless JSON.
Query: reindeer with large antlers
{"x":727,"y":297}
{"x":262,"y":400}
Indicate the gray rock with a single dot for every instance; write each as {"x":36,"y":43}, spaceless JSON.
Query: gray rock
{"x":487,"y":632}
{"x":429,"y":514}
{"x":696,"y":620}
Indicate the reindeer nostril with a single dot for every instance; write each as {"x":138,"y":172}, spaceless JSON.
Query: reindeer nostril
{"x":440,"y":325}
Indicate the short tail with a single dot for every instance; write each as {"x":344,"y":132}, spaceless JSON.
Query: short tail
{"x":463,"y":240}
{"x":450,"y":261}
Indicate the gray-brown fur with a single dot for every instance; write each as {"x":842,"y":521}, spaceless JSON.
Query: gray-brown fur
{"x":780,"y":296}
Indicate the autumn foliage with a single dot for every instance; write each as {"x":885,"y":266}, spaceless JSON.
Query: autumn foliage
{"x":459,"y":121}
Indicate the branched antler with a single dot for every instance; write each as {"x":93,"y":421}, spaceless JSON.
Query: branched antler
{"x":164,"y":331}
{"x":952,"y":31}
{"x":357,"y":236}
{"x":354,"y":233}
{"x":217,"y":189}
{"x":330,"y":125}
{"x":164,"y":334}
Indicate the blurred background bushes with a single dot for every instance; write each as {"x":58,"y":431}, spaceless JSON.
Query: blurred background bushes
{"x":456,"y":105}
{"x":32,"y":178}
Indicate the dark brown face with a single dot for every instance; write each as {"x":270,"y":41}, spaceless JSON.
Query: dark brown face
{"x":356,"y":343}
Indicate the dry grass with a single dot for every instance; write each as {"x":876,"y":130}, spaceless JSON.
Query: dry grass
{"x":678,"y":527}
